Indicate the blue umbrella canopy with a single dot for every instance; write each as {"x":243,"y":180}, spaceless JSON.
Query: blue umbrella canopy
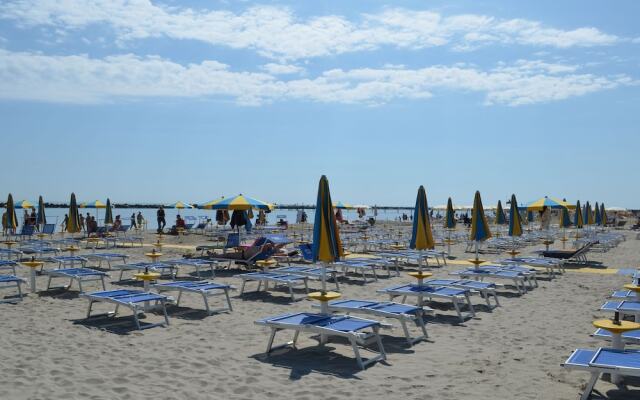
{"x":515,"y":224}
{"x":421,"y":236}
{"x":326,"y":237}
{"x":479,"y":226}
{"x":450,"y":217}
{"x":501,"y":219}
{"x":530,"y":216}
{"x":578,"y":221}
{"x":41,"y":218}
{"x":564,"y":221}
{"x":598,"y":217}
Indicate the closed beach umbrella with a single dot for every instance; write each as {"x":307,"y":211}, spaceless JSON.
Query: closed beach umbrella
{"x":240,"y":202}
{"x":530,"y":216}
{"x":41,"y":218}
{"x":326,"y":246}
{"x":603,"y":215}
{"x":73,"y":225}
{"x":11,"y":218}
{"x":421,"y":236}
{"x":179,"y":205}
{"x":108,"y":214}
{"x":564,"y":221}
{"x":23,"y":204}
{"x":578,"y":221}
{"x":515,"y":224}
{"x":588,"y":215}
{"x":598,"y":217}
{"x":450,"y":217}
{"x":479,"y":226}
{"x":501,"y":219}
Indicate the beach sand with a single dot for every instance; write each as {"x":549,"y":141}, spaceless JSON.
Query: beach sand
{"x":48,"y":350}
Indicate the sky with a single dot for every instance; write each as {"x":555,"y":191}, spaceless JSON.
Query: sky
{"x":160,"y":101}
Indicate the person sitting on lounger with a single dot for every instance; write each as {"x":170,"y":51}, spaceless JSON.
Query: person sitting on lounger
{"x":117,"y":224}
{"x":180,"y":225}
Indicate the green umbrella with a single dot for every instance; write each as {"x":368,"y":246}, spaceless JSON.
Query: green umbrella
{"x":603,"y":215}
{"x":73,"y":225}
{"x":564,"y":221}
{"x":578,"y":221}
{"x":108,"y":215}
{"x":450,"y":217}
{"x":41,"y":217}
{"x":11,"y":218}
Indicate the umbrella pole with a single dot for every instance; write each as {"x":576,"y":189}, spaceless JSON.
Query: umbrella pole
{"x":477,"y":258}
{"x":449,"y":242}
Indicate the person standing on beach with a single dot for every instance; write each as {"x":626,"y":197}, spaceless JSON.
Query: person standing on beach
{"x":161,"y":221}
{"x":140,"y":220}
{"x":133,"y":221}
{"x":65,"y":221}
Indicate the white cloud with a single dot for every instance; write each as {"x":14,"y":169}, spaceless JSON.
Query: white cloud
{"x":81,"y":79}
{"x":276,"y":32}
{"x":281,"y":69}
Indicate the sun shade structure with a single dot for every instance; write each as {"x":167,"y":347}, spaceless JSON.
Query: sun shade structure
{"x":421,"y":236}
{"x":548,"y":202}
{"x":501,"y":219}
{"x":209,"y":205}
{"x":108,"y":215}
{"x":41,"y":218}
{"x":23,"y":204}
{"x":343,"y":206}
{"x":12,"y":219}
{"x":598,"y":217}
{"x":578,"y":221}
{"x":326,"y":237}
{"x":588,"y":215}
{"x":93,"y":204}
{"x":179,"y":205}
{"x":515,"y":224}
{"x":73,"y":225}
{"x":479,"y":226}
{"x":239,"y":202}
{"x":450,"y":216}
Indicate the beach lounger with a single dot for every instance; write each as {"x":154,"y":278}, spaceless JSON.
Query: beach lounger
{"x":196,"y":263}
{"x":132,"y":299}
{"x":9,"y":282}
{"x":625,"y":295}
{"x":80,"y":275}
{"x":597,"y":362}
{"x":162,"y":268}
{"x":624,"y":307}
{"x":485,"y":289}
{"x":68,"y":261}
{"x":352,"y":328}
{"x":8,"y":265}
{"x":311,"y":272}
{"x":456,"y":296}
{"x":518,"y":279}
{"x":358,"y":267}
{"x":10,"y":253}
{"x":291,"y":281}
{"x":107,"y":257}
{"x":551,"y":266}
{"x":631,"y":337}
{"x":204,"y":288}
{"x":403,"y":313}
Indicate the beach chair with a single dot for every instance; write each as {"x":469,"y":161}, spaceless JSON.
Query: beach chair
{"x":291,"y":281}
{"x":68,"y":261}
{"x":601,"y":361}
{"x":204,"y":288}
{"x":310,"y":271}
{"x":10,"y":282}
{"x":457,"y":297}
{"x":106,"y":257}
{"x":358,"y":331}
{"x":578,"y":256}
{"x":358,"y":267}
{"x":631,"y":337}
{"x":550,"y":265}
{"x":486,"y":289}
{"x":519,"y":280}
{"x":403,"y":313}
{"x":49,"y":229}
{"x":26,"y":231}
{"x":10,"y":253}
{"x":8,"y":265}
{"x":196,"y":263}
{"x":80,"y":275}
{"x":624,"y":307}
{"x":135,"y":300}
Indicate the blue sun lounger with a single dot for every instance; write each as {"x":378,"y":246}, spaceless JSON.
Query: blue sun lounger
{"x":8,"y":265}
{"x":204,"y":288}
{"x":162,"y":268}
{"x":518,"y":279}
{"x":132,"y":299}
{"x":603,"y":361}
{"x":9,"y":282}
{"x":631,"y":337}
{"x":10,"y":253}
{"x":625,"y":294}
{"x":358,"y":267}
{"x":403,"y":313}
{"x":80,"y":275}
{"x":107,"y":257}
{"x":310,"y":271}
{"x":624,"y":307}
{"x":456,"y":296}
{"x":359,"y":332}
{"x":485,"y":289}
{"x":278,"y":279}
{"x":549,"y":264}
{"x":68,"y":261}
{"x":196,"y":263}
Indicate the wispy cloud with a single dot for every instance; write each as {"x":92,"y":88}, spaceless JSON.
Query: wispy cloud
{"x":281,"y":69}
{"x":81,"y":79}
{"x":276,"y":32}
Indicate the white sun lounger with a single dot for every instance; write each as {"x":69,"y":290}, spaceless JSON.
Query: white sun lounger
{"x":196,"y":263}
{"x":403,"y":313}
{"x":204,"y":288}
{"x":358,"y":267}
{"x":456,"y":296}
{"x":10,"y":282}
{"x":278,"y":279}
{"x":310,"y":271}
{"x":107,"y":257}
{"x":80,"y":275}
{"x":132,"y":299}
{"x":352,"y":328}
{"x":597,"y":362}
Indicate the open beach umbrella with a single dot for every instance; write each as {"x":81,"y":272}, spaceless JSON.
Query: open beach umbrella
{"x":515,"y":223}
{"x":578,"y":221}
{"x":209,"y":204}
{"x":597,"y":217}
{"x":326,"y":246}
{"x":342,"y":206}
{"x":41,"y":218}
{"x":23,"y":204}
{"x":11,"y":217}
{"x":501,"y":219}
{"x":240,"y":202}
{"x":73,"y":225}
{"x":179,"y":205}
{"x":92,"y":204}
{"x":108,"y":214}
{"x":549,"y":202}
{"x":479,"y":226}
{"x":450,"y":217}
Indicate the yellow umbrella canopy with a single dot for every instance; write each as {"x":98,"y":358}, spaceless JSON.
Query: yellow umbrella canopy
{"x":73,"y":225}
{"x":422,"y":236}
{"x":23,"y":204}
{"x":93,"y":204}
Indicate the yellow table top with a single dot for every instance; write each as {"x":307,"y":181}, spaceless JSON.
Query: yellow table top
{"x":9,"y":242}
{"x":32,"y":264}
{"x":328,"y":296}
{"x":608,"y":325}
{"x":149,"y":276}
{"x":266,"y":262}
{"x":71,"y":248}
{"x":632,"y":287}
{"x":92,"y":239}
{"x":398,"y":246}
{"x":153,"y":255}
{"x":476,"y":262}
{"x":420,"y":275}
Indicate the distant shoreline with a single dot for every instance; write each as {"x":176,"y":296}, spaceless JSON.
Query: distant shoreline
{"x":278,"y":207}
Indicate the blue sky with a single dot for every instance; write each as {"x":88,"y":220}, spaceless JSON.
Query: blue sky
{"x":162,"y":101}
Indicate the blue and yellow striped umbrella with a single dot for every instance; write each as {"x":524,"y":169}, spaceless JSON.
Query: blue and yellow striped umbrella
{"x":578,"y":221}
{"x":603,"y":215}
{"x":326,"y":236}
{"x":450,"y":216}
{"x":23,"y":204}
{"x":41,"y":218}
{"x":241,"y":203}
{"x":108,"y":214}
{"x":588,"y":215}
{"x":343,"y":206}
{"x":179,"y":205}
{"x":515,"y":224}
{"x":479,"y":226}
{"x":548,"y":202}
{"x":501,"y":219}
{"x":11,"y":217}
{"x":421,"y":236}
{"x":92,"y":204}
{"x":564,"y":220}
{"x":73,"y":225}
{"x":209,"y":205}
{"x":598,"y":217}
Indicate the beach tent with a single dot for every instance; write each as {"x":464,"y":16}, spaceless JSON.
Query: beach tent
{"x":11,"y":220}
{"x":108,"y":214}
{"x":479,"y":226}
{"x":501,"y":219}
{"x":73,"y":225}
{"x":41,"y":218}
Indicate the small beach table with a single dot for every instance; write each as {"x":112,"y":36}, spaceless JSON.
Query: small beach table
{"x":616,"y":329}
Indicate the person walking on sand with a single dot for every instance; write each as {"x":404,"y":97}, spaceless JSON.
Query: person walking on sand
{"x":133,"y":221}
{"x":161,"y":221}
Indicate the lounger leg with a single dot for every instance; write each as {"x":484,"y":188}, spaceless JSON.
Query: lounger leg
{"x":206,"y":302}
{"x":291,"y":292}
{"x":136,"y":320}
{"x":457,"y":307}
{"x":49,"y":282}
{"x":421,"y":324}
{"x":242,"y":287}
{"x":79,"y":284}
{"x":271,"y":338}
{"x":589,"y":388}
{"x":179,"y":297}
{"x":473,"y":312}
{"x":295,"y":338}
{"x":306,"y":286}
{"x":406,"y":332}
{"x":495,"y":297}
{"x":89,"y":309}
{"x":226,"y":294}
{"x":164,"y":311}
{"x":102,"y":280}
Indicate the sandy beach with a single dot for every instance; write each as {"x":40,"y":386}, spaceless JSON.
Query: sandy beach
{"x":50,"y":351}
